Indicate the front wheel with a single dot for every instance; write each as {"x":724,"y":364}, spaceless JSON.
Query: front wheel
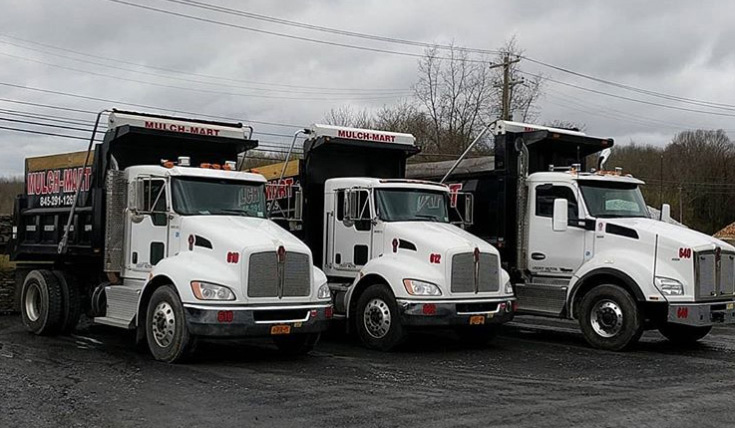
{"x":166,"y":332}
{"x":377,"y":319}
{"x":297,"y":344}
{"x":609,"y":318}
{"x":683,"y":334}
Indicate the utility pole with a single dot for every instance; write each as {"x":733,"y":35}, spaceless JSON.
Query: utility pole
{"x":507,"y":87}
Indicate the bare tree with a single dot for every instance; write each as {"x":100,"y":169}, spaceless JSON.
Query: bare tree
{"x":347,"y":116}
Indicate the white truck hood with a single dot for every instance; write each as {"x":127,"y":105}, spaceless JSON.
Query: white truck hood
{"x":438,"y":237}
{"x":241,"y":232}
{"x":682,"y":235}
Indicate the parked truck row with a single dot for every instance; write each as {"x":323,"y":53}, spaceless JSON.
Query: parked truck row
{"x":158,"y":230}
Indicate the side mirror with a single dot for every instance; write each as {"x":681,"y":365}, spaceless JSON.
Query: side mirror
{"x":561,"y":215}
{"x":298,"y":208}
{"x":469,"y":209}
{"x":666,"y":213}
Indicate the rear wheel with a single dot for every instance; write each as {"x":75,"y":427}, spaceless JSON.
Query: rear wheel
{"x":609,"y":318}
{"x":168,"y":338}
{"x":377,"y":319}
{"x":683,"y":334}
{"x":297,"y":344}
{"x":42,"y":302}
{"x":71,"y":302}
{"x":477,"y":337}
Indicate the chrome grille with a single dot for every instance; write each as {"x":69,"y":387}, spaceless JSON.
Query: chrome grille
{"x":714,"y":279}
{"x":463,"y":273}
{"x":264,"y":277}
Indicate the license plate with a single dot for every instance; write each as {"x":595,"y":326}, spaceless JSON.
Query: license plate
{"x":730,"y":306}
{"x":477,"y":319}
{"x":281,"y":329}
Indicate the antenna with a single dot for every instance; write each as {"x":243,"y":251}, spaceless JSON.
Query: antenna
{"x":604,"y":155}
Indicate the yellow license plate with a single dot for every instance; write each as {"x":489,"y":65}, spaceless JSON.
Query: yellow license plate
{"x":477,"y":320}
{"x":730,"y":306}
{"x":281,"y":329}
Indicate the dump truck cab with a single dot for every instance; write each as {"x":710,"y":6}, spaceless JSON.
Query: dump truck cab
{"x":178,"y":244}
{"x":394,"y":259}
{"x":580,"y":242}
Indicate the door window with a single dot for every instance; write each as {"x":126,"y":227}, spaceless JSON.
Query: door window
{"x":154,"y":200}
{"x":545,"y":196}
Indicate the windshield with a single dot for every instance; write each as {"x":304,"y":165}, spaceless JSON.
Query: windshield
{"x":206,"y":196}
{"x":613,"y":199}
{"x":412,"y":205}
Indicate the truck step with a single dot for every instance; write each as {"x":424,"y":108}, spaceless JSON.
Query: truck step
{"x":122,"y":305}
{"x":541,"y":299}
{"x":115,"y":322}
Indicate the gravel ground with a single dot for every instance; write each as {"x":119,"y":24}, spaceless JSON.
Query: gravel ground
{"x":537,"y":373}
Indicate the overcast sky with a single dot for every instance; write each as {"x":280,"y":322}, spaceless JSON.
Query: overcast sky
{"x":681,"y":48}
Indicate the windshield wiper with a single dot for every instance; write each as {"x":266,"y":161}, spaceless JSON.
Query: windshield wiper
{"x":426,"y":216}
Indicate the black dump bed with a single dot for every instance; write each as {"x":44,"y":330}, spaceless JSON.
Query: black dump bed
{"x":42,"y":211}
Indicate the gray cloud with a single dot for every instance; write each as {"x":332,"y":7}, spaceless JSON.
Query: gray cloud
{"x":682,"y":48}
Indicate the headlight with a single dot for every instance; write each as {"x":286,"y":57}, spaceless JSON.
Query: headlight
{"x":324,"y":292}
{"x":508,"y":287}
{"x":669,"y":286}
{"x":421,"y":288}
{"x":208,"y":291}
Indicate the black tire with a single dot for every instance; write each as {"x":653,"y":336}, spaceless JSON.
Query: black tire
{"x":296,"y":344}
{"x":477,"y":336}
{"x":71,"y":302}
{"x":41,"y":303}
{"x":384,"y":311}
{"x":165,"y":327}
{"x":609,"y":318}
{"x":683,"y":334}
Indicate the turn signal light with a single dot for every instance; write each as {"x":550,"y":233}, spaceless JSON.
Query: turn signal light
{"x":328,"y":312}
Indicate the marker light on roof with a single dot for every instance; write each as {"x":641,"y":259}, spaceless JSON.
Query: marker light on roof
{"x":184,"y":161}
{"x":230,"y":165}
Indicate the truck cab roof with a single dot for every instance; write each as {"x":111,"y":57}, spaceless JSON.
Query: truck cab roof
{"x":369,"y":182}
{"x":570,"y":176}
{"x":181,"y":171}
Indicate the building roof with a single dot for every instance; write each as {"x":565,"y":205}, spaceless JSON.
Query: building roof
{"x":727,"y":232}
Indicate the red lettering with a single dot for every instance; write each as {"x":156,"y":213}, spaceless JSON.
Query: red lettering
{"x":682,"y":313}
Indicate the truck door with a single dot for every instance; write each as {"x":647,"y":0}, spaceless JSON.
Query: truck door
{"x":352,"y":233}
{"x":148,"y":231}
{"x":553,"y":253}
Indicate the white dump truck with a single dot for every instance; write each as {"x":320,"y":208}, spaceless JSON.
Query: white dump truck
{"x":393,"y":258}
{"x":155,"y":230}
{"x":580,"y":244}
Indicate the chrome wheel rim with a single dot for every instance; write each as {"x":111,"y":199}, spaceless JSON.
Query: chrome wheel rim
{"x":33,"y":302}
{"x":606,"y":318}
{"x":376,"y":318}
{"x":163,"y":324}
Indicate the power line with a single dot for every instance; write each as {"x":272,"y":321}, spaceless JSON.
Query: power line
{"x":571,"y":85}
{"x":289,"y":36}
{"x":260,"y":17}
{"x":105,"y":100}
{"x":171,"y":70}
{"x":208,"y":91}
{"x":394,"y":40}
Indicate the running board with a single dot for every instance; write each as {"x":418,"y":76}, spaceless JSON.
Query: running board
{"x":122,"y":306}
{"x":541,"y":299}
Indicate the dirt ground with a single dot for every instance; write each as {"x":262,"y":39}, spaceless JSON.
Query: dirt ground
{"x":537,"y":373}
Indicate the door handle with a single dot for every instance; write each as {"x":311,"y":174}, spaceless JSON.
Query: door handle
{"x":538,"y":256}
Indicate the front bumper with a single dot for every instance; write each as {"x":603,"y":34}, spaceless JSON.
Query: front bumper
{"x":446,"y":313}
{"x":253,"y":321}
{"x":702,"y":314}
